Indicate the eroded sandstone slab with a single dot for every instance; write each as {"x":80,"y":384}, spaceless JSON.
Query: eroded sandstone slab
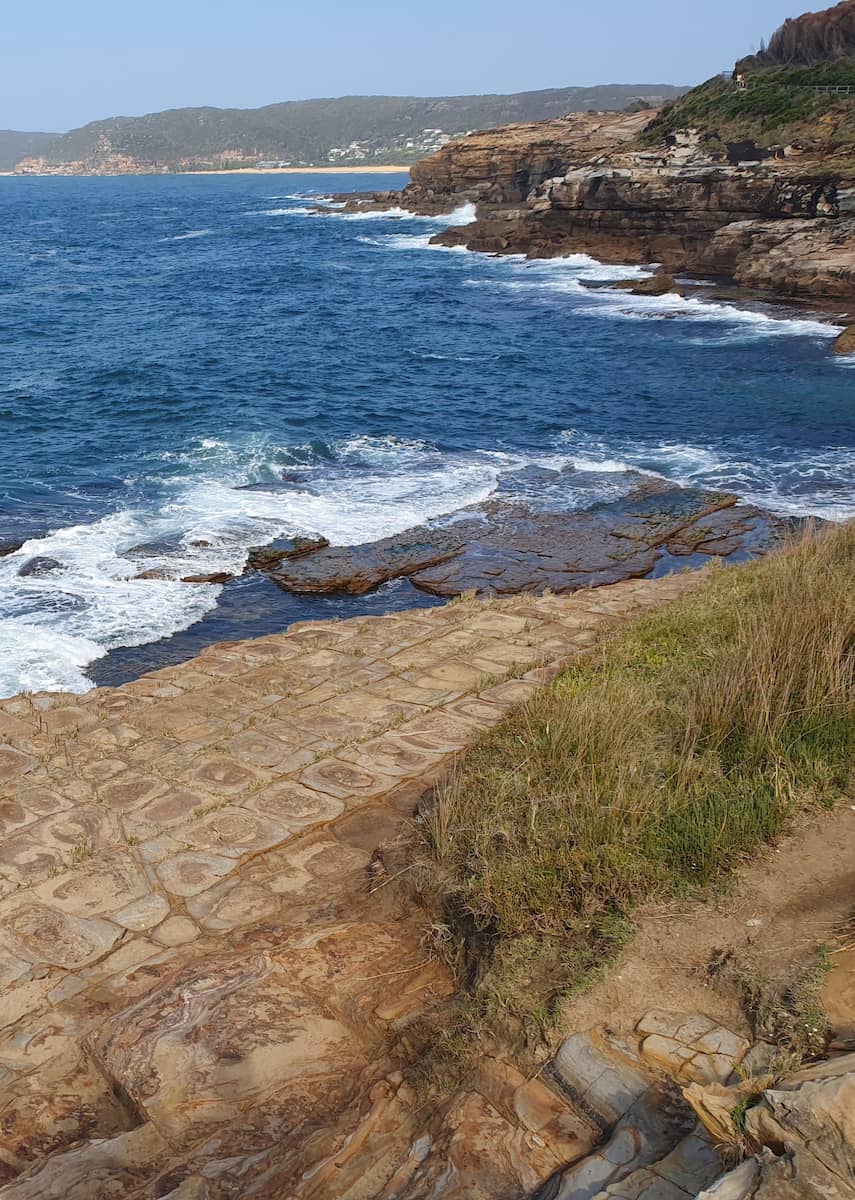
{"x":202,"y":983}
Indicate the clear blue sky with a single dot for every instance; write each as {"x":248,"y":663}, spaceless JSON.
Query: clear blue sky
{"x":65,"y":62}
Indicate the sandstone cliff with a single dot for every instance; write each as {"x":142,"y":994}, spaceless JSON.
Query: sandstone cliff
{"x":813,"y":37}
{"x":500,"y":166}
{"x":773,"y":225}
{"x":754,"y":182}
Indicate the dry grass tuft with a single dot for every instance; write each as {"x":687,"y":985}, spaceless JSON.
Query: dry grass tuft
{"x":648,"y":771}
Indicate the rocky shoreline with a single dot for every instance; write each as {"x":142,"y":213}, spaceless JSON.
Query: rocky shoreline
{"x":208,"y":990}
{"x":563,"y":530}
{"x":777,"y":224}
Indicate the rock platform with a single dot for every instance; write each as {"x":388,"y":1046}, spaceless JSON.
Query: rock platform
{"x":200,"y":989}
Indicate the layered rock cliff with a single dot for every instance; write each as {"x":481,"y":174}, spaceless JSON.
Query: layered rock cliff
{"x":768,"y":225}
{"x":502,"y":166}
{"x":747,"y":178}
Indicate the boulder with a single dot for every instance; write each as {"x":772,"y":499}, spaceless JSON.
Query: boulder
{"x":654,"y":285}
{"x":804,"y":1131}
{"x":154,"y":573}
{"x":9,"y":547}
{"x":263,"y":558}
{"x":845,"y":343}
{"x":214,"y":577}
{"x":42,"y":565}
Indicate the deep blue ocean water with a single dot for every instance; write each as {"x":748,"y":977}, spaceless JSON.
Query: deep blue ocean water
{"x":168,"y":340}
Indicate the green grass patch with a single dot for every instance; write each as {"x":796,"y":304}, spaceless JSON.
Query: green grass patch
{"x":649,"y":771}
{"x":778,"y":108}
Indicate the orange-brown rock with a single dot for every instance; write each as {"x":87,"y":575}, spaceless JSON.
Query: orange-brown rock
{"x":845,"y":343}
{"x":201,"y":996}
{"x":552,"y":189}
{"x":659,"y":284}
{"x":507,"y":548}
{"x":503,"y":165}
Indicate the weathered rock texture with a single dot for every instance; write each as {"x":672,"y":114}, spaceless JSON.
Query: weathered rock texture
{"x":507,"y":547}
{"x":200,"y":993}
{"x":784,"y":224}
{"x":804,"y":1130}
{"x":815,"y":37}
{"x":501,"y":166}
{"x":206,"y":987}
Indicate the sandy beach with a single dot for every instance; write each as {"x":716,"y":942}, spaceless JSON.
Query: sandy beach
{"x":381,"y":170}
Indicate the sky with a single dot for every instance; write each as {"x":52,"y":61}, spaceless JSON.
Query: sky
{"x":66,"y":62}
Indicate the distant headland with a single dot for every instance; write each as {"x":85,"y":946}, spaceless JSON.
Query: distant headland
{"x":351,"y":131}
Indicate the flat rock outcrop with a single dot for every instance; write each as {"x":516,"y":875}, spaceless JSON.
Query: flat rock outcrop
{"x":201,"y":993}
{"x":204,"y":993}
{"x":507,"y":547}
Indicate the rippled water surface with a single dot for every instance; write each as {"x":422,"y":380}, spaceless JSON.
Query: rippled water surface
{"x":168,"y":341}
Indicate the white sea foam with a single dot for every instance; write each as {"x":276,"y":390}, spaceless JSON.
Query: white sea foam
{"x":572,"y":273}
{"x":37,"y":658}
{"x":462,"y":215}
{"x":394,"y":213}
{"x":360,"y":490}
{"x":189,"y":235}
{"x":293,"y":210}
{"x":409,"y":241}
{"x":780,"y":483}
{"x":763,"y":322}
{"x":582,"y":266}
{"x":55,"y":624}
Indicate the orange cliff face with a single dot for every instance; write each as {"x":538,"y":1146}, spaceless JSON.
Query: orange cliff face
{"x":108,"y":164}
{"x":503,"y":165}
{"x":586,"y":184}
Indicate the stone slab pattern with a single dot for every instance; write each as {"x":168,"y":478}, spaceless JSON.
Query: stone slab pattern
{"x":215,"y":821}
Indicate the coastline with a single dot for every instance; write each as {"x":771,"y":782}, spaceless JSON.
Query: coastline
{"x":253,"y":606}
{"x":384,"y":170}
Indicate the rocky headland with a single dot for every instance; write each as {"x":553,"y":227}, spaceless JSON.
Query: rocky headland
{"x":749,"y":179}
{"x":228,"y":965}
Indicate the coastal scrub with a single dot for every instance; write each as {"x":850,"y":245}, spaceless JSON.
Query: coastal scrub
{"x":648,"y":771}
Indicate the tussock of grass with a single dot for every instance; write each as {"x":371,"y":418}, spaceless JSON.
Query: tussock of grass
{"x":648,"y":771}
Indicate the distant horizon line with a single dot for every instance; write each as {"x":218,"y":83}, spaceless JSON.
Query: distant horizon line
{"x":581,"y":87}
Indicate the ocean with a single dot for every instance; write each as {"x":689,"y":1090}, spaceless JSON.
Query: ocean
{"x":201,"y":364}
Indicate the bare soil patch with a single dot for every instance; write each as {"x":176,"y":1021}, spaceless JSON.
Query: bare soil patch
{"x":776,"y":912}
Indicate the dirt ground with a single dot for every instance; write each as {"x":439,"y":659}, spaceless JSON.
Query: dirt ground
{"x":777,"y":911}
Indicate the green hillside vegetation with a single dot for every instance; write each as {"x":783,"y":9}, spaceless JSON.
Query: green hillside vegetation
{"x":647,"y":772}
{"x":306,"y":131}
{"x":14,"y":146}
{"x":778,"y":108}
{"x":779,"y":105}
